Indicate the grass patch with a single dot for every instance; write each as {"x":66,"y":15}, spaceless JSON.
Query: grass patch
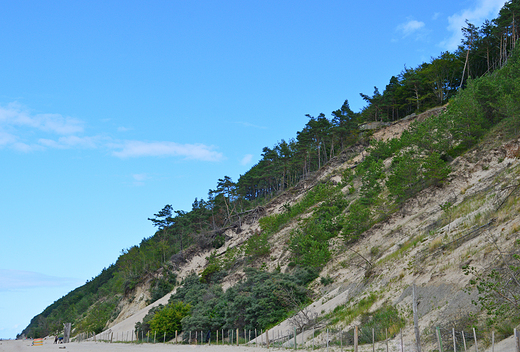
{"x":410,"y":243}
{"x":346,"y":313}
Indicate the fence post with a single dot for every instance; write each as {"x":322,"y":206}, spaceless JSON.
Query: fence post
{"x":373,"y":341}
{"x":355,"y":339}
{"x":402,"y":343}
{"x":464,"y":341}
{"x":475,"y":337}
{"x":267,"y":337}
{"x":454,"y":341}
{"x":439,"y":340}
{"x":517,"y":340}
{"x":386,"y":338}
{"x":327,"y":339}
{"x":416,"y":320}
{"x":295,"y":346}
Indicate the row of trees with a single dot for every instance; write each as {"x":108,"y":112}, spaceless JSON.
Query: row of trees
{"x":483,"y":50}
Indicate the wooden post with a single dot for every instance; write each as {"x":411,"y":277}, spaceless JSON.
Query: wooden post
{"x":341,"y":340}
{"x":217,"y":337}
{"x":355,"y":339}
{"x":267,"y":337}
{"x":402,"y":343}
{"x":416,"y":319}
{"x":327,"y":339}
{"x":313,"y":338}
{"x":475,"y":337}
{"x":164,"y":338}
{"x":237,"y":336}
{"x":176,"y":341}
{"x":386,"y":338}
{"x":295,"y":344}
{"x":464,"y":341}
{"x":154,"y":335}
{"x":439,"y":340}
{"x":454,"y":341}
{"x":373,"y":341}
{"x":493,"y":341}
{"x":517,"y":340}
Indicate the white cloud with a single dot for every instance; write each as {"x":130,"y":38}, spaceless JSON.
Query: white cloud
{"x":140,"y":177}
{"x":246,"y":159}
{"x":410,"y":27}
{"x":19,"y":279}
{"x":23,"y":131}
{"x":131,"y":149}
{"x":123,"y":129}
{"x":15,"y":116}
{"x":247,"y":124}
{"x":16,"y":121}
{"x":484,"y":9}
{"x":71,"y":141}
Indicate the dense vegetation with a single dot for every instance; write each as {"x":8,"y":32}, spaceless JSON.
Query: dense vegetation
{"x":487,"y":65}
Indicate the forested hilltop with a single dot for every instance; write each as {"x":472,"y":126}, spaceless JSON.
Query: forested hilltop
{"x":328,"y":196}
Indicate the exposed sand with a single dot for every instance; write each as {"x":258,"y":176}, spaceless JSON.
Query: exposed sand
{"x":507,"y":345}
{"x":48,"y":345}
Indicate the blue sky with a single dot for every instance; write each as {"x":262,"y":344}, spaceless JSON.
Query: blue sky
{"x":111,"y":109}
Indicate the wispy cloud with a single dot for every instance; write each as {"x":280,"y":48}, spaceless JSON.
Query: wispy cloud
{"x":16,"y":121}
{"x":72,"y":142}
{"x":14,"y":115}
{"x":246,"y":159}
{"x":25,"y":132}
{"x":411,"y":27}
{"x":139,"y":179}
{"x":484,"y":9}
{"x":19,"y":279}
{"x":247,"y":124}
{"x":132,"y":149}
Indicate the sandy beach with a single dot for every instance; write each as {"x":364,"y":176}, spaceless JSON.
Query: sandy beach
{"x":48,"y":345}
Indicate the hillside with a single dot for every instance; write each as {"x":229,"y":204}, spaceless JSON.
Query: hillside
{"x":419,"y":243}
{"x":331,"y":231}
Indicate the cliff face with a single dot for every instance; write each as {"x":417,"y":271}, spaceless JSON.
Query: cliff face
{"x":471,"y":220}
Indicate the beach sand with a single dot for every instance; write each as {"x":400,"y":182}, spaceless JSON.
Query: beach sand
{"x":48,"y":345}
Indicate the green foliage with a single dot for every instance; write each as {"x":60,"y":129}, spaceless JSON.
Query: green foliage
{"x":258,"y":246}
{"x":309,"y":245}
{"x":162,"y":286}
{"x":499,"y":288}
{"x":260,"y":301}
{"x":274,"y":223}
{"x":97,"y":316}
{"x":383,"y":320}
{"x":346,"y":313}
{"x":168,"y":319}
